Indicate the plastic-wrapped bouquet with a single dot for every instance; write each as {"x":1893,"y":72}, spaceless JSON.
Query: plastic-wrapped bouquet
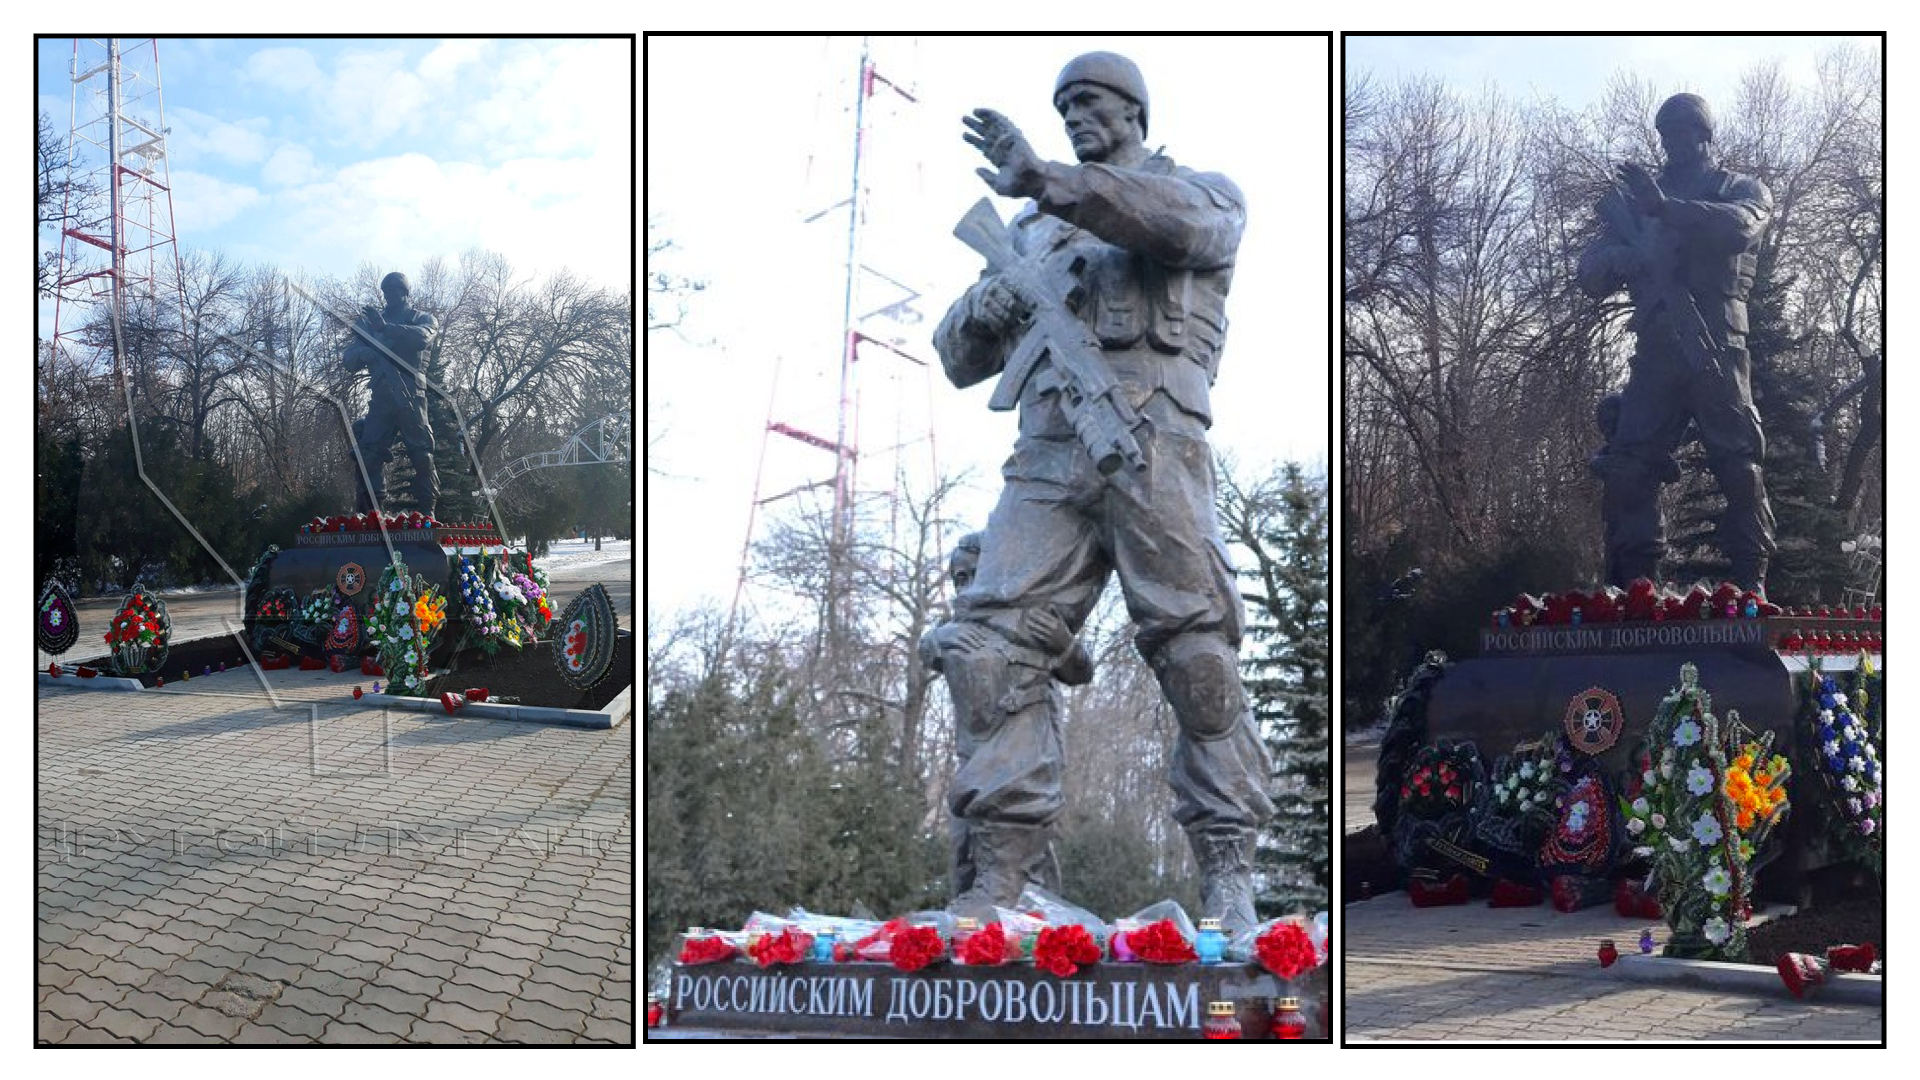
{"x":1158,"y":934}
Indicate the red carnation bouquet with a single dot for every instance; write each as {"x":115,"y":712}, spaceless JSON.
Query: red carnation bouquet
{"x":1287,"y":950}
{"x":986,"y":947}
{"x":789,"y":946}
{"x":1158,"y":934}
{"x":924,"y":935}
{"x":1063,"y":949}
{"x":1157,"y":943}
{"x":916,"y":947}
{"x":706,"y":949}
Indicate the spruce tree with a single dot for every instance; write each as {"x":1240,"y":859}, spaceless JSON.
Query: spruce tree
{"x":1287,"y":673}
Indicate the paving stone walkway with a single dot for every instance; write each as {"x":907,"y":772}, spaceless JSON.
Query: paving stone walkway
{"x":213,"y":868}
{"x":1480,"y":974}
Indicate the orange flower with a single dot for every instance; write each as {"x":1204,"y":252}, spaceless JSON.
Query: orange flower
{"x":1745,"y":818}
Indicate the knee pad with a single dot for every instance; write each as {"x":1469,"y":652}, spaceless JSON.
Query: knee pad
{"x":1200,"y":674}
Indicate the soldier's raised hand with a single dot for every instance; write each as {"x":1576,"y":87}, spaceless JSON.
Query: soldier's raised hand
{"x":995,"y":136}
{"x":1642,"y":186}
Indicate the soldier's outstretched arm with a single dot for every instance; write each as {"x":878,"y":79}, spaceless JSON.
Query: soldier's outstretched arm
{"x":1729,"y":225}
{"x":1189,"y":222}
{"x":411,"y":337}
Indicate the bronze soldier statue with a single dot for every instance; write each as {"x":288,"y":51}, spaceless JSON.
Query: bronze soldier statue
{"x":397,"y":398}
{"x":1073,"y":668}
{"x":1103,"y":313}
{"x":1683,"y":246}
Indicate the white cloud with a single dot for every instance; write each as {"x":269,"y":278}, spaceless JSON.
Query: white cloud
{"x":202,"y":203}
{"x":543,"y":215}
{"x":373,"y":96}
{"x":196,"y":135}
{"x":443,"y":64}
{"x":287,"y":69}
{"x":291,"y":164}
{"x":564,"y":98}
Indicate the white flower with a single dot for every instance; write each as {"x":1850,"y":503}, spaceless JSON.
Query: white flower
{"x":53,"y":618}
{"x":1706,"y":830}
{"x":1717,"y":930}
{"x":1831,"y":747}
{"x":406,"y":631}
{"x":1856,"y":764}
{"x":1853,"y":807}
{"x":1699,"y":781}
{"x":411,"y":659}
{"x":1718,"y":882}
{"x":1526,"y":770}
{"x":1849,"y":782}
{"x":1686,"y":733}
{"x":1636,"y":826}
{"x":1666,"y":768}
{"x":1659,"y":821}
{"x":1647,"y":778}
{"x":1640,"y":805}
{"x":1678,"y":844}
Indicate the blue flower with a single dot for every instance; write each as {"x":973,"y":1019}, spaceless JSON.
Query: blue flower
{"x":1686,"y":733}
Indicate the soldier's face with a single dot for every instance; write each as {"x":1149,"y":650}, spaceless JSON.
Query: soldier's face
{"x":395,"y":293}
{"x":962,"y":568}
{"x":1099,"y":122}
{"x":1685,"y":144}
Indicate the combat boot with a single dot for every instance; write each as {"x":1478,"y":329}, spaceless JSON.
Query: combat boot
{"x":1225,"y":857}
{"x":1002,"y":853}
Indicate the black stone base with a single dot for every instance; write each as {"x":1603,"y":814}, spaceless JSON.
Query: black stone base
{"x":948,"y":1001}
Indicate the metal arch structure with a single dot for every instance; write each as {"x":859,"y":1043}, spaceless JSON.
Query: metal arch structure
{"x":603,"y":442}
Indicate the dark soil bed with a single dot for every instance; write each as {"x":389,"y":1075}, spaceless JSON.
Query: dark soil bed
{"x":194,"y":656}
{"x":529,"y":676}
{"x":526,"y":675}
{"x":1846,"y":908}
{"x":1842,"y":922}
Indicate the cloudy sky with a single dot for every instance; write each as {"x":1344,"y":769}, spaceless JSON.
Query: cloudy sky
{"x":318,"y":154}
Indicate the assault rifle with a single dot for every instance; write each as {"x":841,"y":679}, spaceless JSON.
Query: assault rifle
{"x":1659,"y":285}
{"x":1100,"y":415}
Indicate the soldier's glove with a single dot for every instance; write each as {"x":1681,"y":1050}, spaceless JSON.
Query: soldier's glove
{"x":1000,"y":306}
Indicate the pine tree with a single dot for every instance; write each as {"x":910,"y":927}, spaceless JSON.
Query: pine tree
{"x":1287,"y":673}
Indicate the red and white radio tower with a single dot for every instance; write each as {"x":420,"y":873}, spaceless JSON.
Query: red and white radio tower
{"x":116,"y":250}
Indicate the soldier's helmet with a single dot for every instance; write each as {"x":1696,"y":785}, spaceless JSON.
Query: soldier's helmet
{"x":965,"y":559}
{"x":1685,"y":108}
{"x":396,"y":278}
{"x":1110,"y":70}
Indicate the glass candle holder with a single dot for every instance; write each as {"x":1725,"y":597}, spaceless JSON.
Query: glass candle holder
{"x":1288,"y":1023}
{"x":1211,"y":943}
{"x":1221,"y":1023}
{"x":823,"y":940}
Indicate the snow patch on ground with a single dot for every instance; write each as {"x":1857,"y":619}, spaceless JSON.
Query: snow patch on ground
{"x":581,"y":553}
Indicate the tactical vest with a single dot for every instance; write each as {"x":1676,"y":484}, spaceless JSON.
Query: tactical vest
{"x":1160,"y":329}
{"x":1718,"y":281}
